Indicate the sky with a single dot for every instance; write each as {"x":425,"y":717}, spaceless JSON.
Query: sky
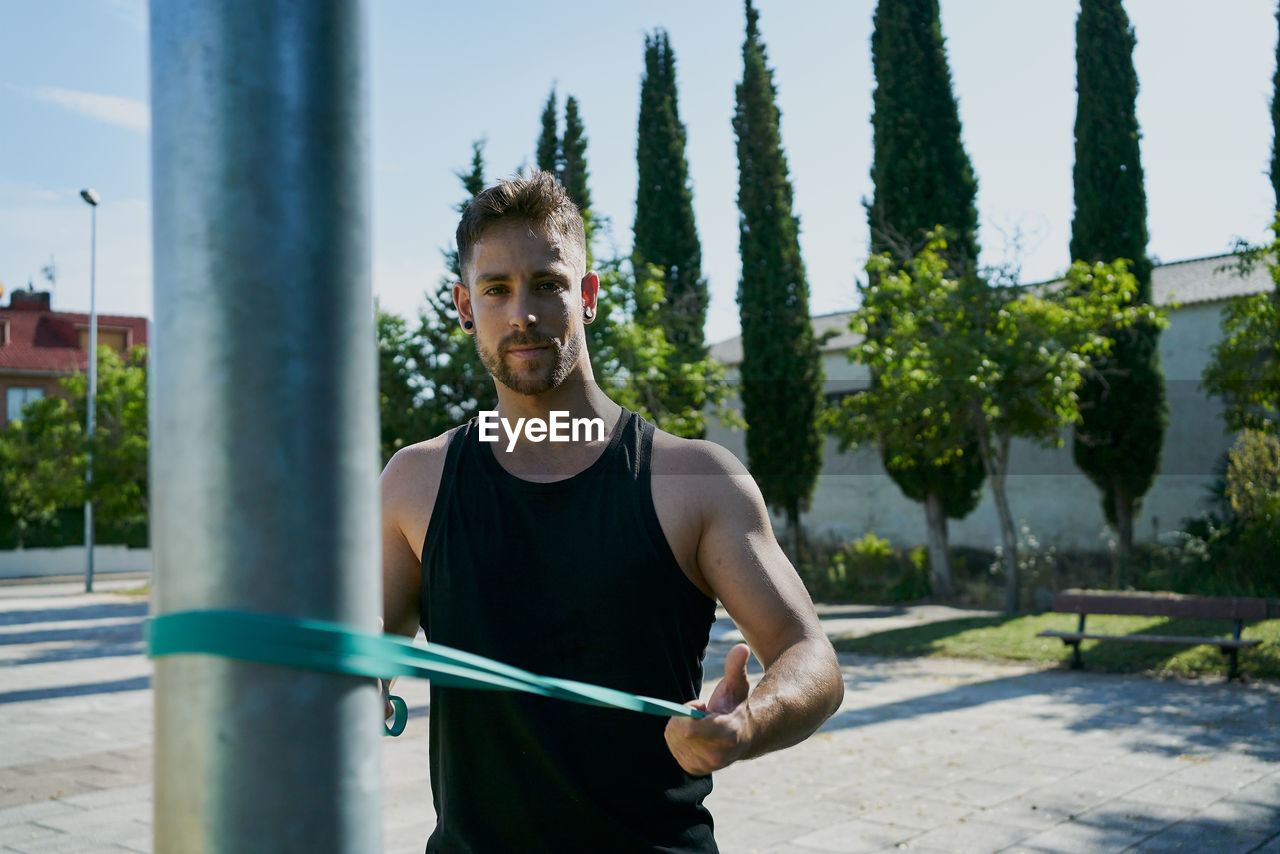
{"x":74,"y":94}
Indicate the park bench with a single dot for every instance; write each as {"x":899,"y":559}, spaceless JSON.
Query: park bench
{"x":1236,"y":609}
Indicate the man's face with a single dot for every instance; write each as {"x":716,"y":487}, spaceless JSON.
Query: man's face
{"x":525,"y":298}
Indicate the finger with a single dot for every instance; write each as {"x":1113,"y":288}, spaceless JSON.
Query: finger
{"x":734,"y":687}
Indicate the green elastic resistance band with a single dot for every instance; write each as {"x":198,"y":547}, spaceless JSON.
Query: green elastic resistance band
{"x":335,"y":648}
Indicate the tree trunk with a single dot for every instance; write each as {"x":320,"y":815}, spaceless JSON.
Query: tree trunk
{"x":996,"y":463}
{"x":795,"y":533}
{"x":939,"y":556}
{"x":1124,"y":531}
{"x":1009,"y":540}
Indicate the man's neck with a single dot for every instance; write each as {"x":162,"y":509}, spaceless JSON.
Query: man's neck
{"x":578,"y":395}
{"x":579,"y":402}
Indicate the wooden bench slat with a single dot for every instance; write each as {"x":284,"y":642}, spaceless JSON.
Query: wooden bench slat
{"x":1168,"y":639}
{"x":1160,"y":605}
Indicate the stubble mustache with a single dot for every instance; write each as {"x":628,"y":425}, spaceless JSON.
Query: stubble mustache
{"x":525,"y":339}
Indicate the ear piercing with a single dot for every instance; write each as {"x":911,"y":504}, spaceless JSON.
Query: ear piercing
{"x":468,"y":325}
{"x":588,"y":313}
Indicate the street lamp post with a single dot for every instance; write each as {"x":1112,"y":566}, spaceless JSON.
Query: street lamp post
{"x":91,"y":196}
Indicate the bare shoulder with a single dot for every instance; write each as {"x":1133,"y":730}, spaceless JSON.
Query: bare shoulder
{"x":701,"y":469}
{"x":674,"y":455}
{"x":410,"y":483}
{"x":700,"y":491}
{"x":422,"y":458}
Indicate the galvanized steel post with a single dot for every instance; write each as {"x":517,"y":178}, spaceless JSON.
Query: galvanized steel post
{"x":264,"y":417}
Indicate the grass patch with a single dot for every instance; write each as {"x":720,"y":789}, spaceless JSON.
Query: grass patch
{"x":1014,"y":639}
{"x":142,"y":591}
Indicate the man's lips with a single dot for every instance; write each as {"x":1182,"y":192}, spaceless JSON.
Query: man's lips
{"x":526,"y":351}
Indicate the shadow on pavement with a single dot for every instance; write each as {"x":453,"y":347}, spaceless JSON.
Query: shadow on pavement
{"x":1163,"y":716}
{"x":112,"y":649}
{"x":137,"y":683}
{"x":863,"y":613}
{"x":118,"y":633}
{"x":1243,"y":827}
{"x":104,"y":611}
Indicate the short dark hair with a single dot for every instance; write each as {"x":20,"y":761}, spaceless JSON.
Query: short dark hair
{"x":539,"y":199}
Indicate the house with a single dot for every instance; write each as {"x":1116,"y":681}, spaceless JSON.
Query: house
{"x":1049,"y":497}
{"x":39,"y":346}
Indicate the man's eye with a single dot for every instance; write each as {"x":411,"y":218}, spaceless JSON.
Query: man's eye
{"x":494,"y":291}
{"x":550,"y":285}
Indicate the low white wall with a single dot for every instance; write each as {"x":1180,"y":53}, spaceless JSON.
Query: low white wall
{"x":38,"y":563}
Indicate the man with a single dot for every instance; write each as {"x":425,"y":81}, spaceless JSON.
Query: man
{"x":598,"y":560}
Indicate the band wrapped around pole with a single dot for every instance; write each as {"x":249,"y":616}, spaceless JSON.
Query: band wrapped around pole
{"x":264,"y":435}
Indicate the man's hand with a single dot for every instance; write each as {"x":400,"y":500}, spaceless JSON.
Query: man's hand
{"x":384,"y":688}
{"x":703,"y":745}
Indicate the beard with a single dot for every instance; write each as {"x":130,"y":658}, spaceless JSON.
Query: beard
{"x":553,"y":365}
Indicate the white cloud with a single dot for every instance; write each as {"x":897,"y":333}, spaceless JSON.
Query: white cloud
{"x":113,"y":109}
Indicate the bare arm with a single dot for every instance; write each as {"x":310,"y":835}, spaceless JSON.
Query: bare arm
{"x":401,"y":567}
{"x":741,"y":562}
{"x":408,"y":487}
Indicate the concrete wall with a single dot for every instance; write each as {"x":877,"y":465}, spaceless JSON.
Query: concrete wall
{"x":1057,"y":503}
{"x":26,"y":563}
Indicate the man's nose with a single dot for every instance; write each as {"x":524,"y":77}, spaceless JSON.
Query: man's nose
{"x":522,"y":312}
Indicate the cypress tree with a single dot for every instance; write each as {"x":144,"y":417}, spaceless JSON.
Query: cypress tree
{"x":920,"y":172}
{"x":1123,"y":407}
{"x":1275,"y":124}
{"x":548,"y":153}
{"x":431,"y":379}
{"x":573,"y":166}
{"x":781,"y":371}
{"x":445,"y":356}
{"x":665,"y":234}
{"x":922,"y":178}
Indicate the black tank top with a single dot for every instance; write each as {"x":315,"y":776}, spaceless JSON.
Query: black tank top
{"x":573,"y":579}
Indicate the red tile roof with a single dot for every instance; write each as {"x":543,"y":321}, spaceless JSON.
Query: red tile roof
{"x":49,"y":341}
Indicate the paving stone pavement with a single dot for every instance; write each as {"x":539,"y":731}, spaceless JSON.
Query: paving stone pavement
{"x":925,"y":755}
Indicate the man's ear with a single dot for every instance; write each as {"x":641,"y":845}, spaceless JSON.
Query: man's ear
{"x":462,"y":302}
{"x":590,"y":295}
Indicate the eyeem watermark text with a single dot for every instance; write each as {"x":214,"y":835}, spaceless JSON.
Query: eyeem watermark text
{"x":559,"y":428}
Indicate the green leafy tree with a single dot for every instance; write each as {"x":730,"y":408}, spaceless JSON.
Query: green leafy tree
{"x":119,"y":446}
{"x":1253,"y":477}
{"x":457,"y":382}
{"x":665,"y":235}
{"x":403,"y":417}
{"x":1244,"y":365}
{"x":430,"y":379}
{"x":781,"y":371}
{"x":547,"y":156}
{"x":42,"y":464}
{"x":922,"y":179}
{"x":44,"y":455}
{"x":1124,"y":411}
{"x":996,"y":364}
{"x":631,"y":357}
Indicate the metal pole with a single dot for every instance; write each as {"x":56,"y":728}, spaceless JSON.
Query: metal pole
{"x":93,"y":387}
{"x":264,"y":417}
